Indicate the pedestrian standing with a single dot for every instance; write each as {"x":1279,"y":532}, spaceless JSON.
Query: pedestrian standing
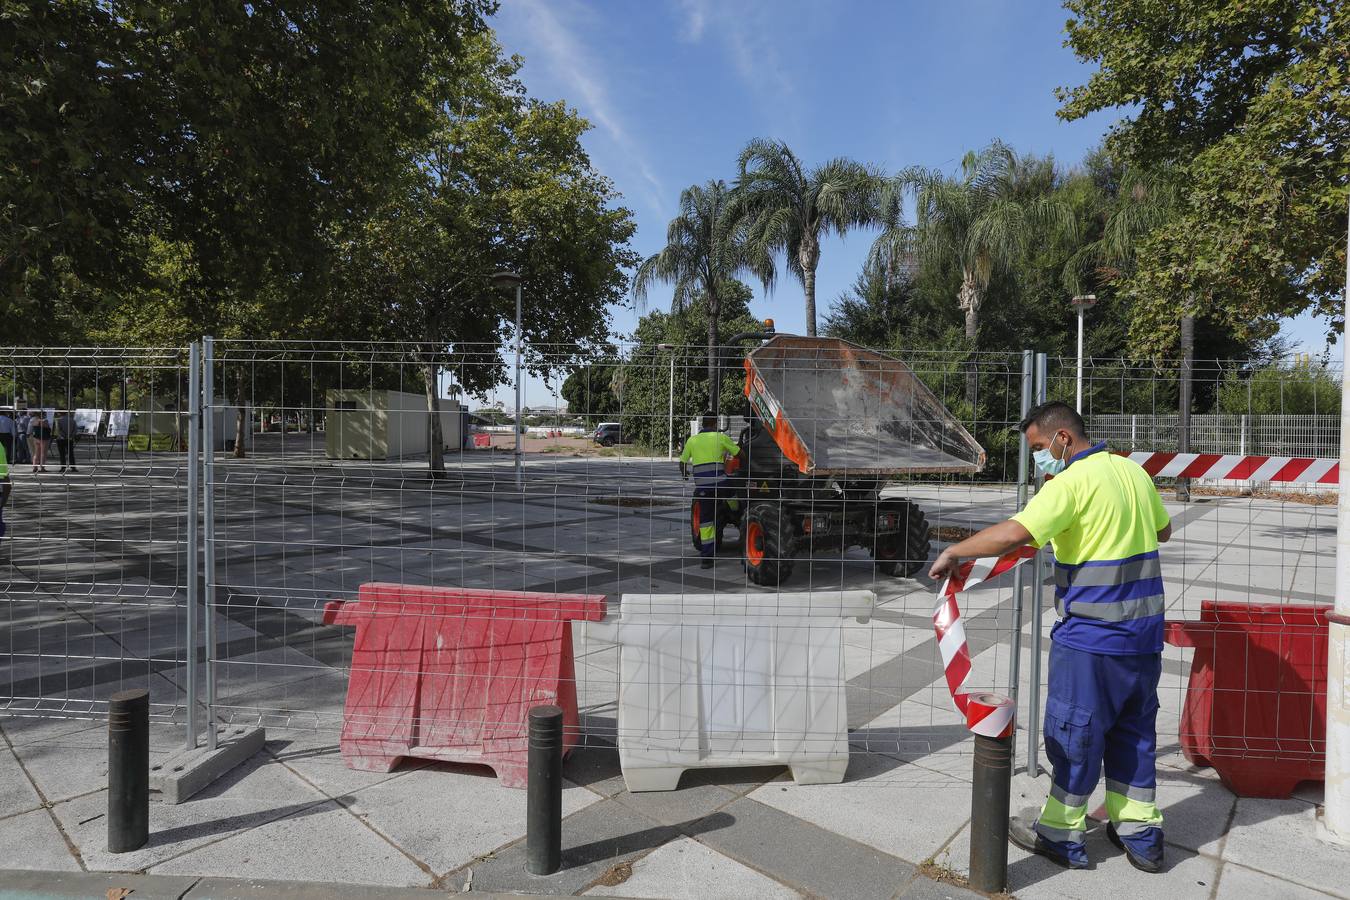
{"x":1106,"y":520}
{"x":66,"y":435}
{"x":21,"y":453}
{"x":40,"y":433}
{"x":9,"y":433}
{"x":4,"y":488}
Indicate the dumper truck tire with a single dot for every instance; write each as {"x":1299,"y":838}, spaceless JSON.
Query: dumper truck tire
{"x":905,"y":553}
{"x":695,"y":520}
{"x":768,"y":541}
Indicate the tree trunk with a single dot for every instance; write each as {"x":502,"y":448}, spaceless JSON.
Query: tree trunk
{"x":241,"y":416}
{"x":436,"y":441}
{"x":1184,"y":401}
{"x":714,"y":353}
{"x":968,"y":298}
{"x":809,"y":257}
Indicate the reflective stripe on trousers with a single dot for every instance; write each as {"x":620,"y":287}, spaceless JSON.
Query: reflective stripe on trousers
{"x":1102,"y":709}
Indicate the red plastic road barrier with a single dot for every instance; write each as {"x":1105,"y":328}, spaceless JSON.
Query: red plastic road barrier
{"x":1256,"y":705}
{"x":451,"y":673}
{"x":482,"y":440}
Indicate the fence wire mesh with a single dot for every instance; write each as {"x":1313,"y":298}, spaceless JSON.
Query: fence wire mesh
{"x":94,"y":556}
{"x":324,"y":478}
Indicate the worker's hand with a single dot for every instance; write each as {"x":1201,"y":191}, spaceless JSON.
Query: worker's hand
{"x":944,"y":566}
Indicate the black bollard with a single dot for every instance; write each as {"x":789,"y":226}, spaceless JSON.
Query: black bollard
{"x":989,"y":800}
{"x":128,"y":771}
{"x":543,"y":813}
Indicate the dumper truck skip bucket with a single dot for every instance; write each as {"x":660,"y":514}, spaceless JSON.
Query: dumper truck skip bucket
{"x":837,"y":409}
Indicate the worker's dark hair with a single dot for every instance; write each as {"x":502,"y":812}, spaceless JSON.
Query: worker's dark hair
{"x":1054,"y":416}
{"x":708,"y":417}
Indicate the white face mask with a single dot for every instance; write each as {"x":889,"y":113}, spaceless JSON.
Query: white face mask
{"x":1046,"y":460}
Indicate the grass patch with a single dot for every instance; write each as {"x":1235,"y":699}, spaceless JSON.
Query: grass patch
{"x":635,"y":502}
{"x":1319,"y":498}
{"x":616,"y":874}
{"x":938,"y":870}
{"x":950,"y":533}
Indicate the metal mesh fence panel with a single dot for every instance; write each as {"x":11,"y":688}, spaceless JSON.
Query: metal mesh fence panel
{"x":365,"y":589}
{"x":324,"y":483}
{"x":1250,"y":571}
{"x":93,"y":559}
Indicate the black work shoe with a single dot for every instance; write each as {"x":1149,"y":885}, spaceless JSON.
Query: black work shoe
{"x":706,"y":563}
{"x":1143,"y":864}
{"x":1026,"y":837}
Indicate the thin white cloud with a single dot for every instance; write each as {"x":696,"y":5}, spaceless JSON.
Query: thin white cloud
{"x":574,"y":64}
{"x":695,"y":18}
{"x":747,"y":31}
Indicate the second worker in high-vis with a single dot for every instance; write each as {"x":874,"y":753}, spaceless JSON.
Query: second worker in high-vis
{"x":1105,"y":519}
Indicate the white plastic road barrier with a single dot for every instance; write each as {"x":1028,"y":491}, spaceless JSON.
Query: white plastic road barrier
{"x":718,"y":680}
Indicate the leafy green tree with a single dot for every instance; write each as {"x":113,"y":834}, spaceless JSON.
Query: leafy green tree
{"x":872,"y":311}
{"x":240,"y":135}
{"x":589,"y":391}
{"x":1282,"y":390}
{"x":505,"y":185}
{"x":706,"y":250}
{"x":645,"y":375}
{"x":786,"y":207}
{"x":1248,"y":103}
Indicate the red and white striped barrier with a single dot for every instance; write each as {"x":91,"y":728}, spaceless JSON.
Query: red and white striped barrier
{"x":988,"y":714}
{"x":1287,"y":469}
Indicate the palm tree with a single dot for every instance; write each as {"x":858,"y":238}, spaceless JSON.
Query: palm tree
{"x":706,"y":248}
{"x":983,"y":222}
{"x":893,"y":253}
{"x":784,"y":207}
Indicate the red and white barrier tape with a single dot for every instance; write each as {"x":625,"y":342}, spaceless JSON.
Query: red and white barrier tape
{"x":988,"y":714}
{"x":1288,"y":469}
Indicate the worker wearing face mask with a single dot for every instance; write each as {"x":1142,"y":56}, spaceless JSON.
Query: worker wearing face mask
{"x":1105,"y":519}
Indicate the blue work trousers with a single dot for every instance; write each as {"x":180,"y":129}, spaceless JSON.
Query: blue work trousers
{"x":1102,"y":709}
{"x":707,"y":496}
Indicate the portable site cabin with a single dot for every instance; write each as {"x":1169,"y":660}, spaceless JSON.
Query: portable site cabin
{"x":364,"y":424}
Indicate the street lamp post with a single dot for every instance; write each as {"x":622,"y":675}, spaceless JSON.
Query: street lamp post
{"x":1081,"y":302}
{"x":504,"y":281}
{"x":670,"y":446}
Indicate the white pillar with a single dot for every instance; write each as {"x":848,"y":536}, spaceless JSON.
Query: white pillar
{"x":520,"y":459}
{"x":670,"y":425}
{"x":1337,"y":811}
{"x":1079,"y":405}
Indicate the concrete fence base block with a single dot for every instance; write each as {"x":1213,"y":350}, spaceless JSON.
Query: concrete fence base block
{"x":182,"y":775}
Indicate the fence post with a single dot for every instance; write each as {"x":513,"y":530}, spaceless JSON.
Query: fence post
{"x":194,"y":595}
{"x":1242,"y":436}
{"x":1337,"y":815}
{"x":209,"y":543}
{"x":1034,"y":702}
{"x":1023,"y":461}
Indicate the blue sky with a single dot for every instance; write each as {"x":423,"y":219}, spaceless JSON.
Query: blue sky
{"x":674,"y":88}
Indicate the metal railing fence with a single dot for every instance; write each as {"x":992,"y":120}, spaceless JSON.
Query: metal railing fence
{"x":318,"y":476}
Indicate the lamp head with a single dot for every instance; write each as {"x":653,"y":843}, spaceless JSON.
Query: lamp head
{"x":505,"y":281}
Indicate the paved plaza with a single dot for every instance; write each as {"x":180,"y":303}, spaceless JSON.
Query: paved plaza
{"x":95,"y":574}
